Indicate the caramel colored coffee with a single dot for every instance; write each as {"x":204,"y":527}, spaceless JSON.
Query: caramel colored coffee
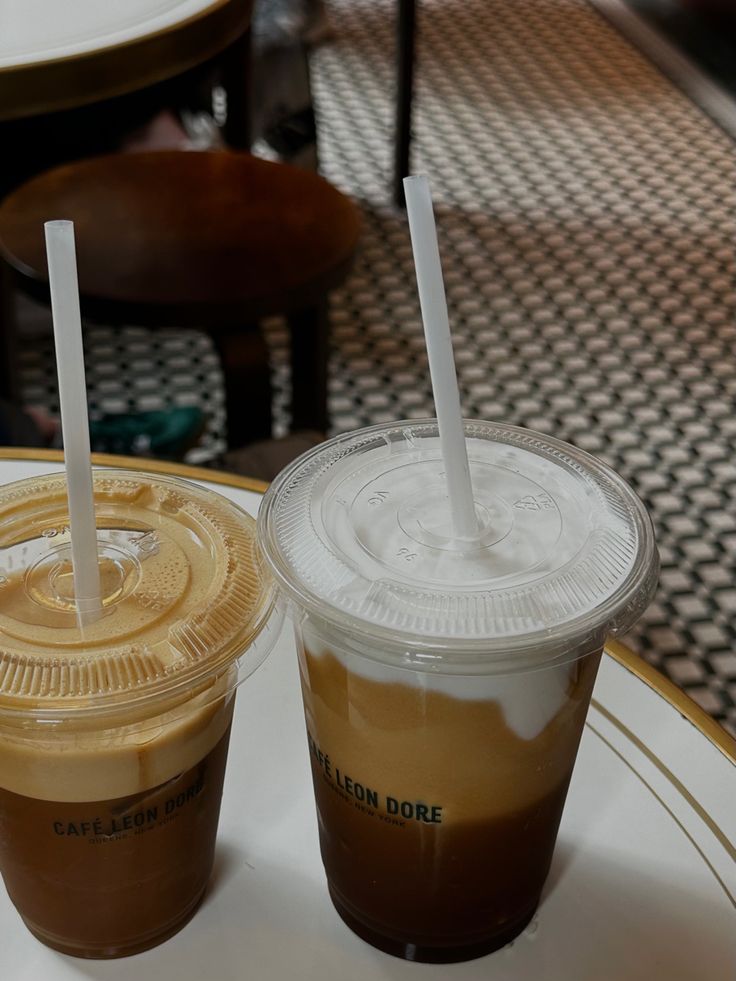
{"x":437,"y":821}
{"x":114,"y":734}
{"x":156,"y":847}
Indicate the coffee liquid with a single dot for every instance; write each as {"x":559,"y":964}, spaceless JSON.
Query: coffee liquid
{"x":448,"y":894}
{"x":121,"y":875}
{"x":437,"y":822}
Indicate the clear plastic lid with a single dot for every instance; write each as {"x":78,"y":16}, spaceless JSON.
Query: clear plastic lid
{"x":357,"y":532}
{"x":185,"y":594}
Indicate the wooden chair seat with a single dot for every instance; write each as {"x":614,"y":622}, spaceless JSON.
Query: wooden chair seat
{"x":213,"y":240}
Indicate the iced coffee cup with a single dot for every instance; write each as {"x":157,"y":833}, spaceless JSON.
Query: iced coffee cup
{"x":446,"y":680}
{"x":114,"y":735}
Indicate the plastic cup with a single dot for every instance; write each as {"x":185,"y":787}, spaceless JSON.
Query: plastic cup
{"x":114,"y":738}
{"x":446,"y":681}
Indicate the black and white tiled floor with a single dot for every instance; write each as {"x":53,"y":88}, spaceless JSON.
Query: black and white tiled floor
{"x":585,"y":209}
{"x":586,"y":215}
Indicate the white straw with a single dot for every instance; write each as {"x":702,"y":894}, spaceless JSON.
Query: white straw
{"x":439,"y":351}
{"x":62,"y":262}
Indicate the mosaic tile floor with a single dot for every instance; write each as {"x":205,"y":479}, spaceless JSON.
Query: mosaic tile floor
{"x":585,"y":208}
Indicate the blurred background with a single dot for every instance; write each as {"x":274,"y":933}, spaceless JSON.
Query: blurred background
{"x":582,"y":159}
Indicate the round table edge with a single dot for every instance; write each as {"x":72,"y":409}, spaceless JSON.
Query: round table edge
{"x":125,"y":66}
{"x":669,"y":691}
{"x":142,"y":463}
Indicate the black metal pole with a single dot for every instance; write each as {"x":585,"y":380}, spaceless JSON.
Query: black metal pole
{"x":405,"y":36}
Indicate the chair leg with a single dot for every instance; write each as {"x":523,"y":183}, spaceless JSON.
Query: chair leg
{"x":310,"y":343}
{"x":236,"y":77}
{"x":9,"y":383}
{"x":244,"y":357}
{"x":405,"y":39}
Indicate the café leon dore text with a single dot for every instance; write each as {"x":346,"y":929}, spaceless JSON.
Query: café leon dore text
{"x":119,"y":825}
{"x":371,"y":801}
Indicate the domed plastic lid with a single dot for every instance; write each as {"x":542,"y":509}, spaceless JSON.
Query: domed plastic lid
{"x":357,"y":532}
{"x":185,"y":593}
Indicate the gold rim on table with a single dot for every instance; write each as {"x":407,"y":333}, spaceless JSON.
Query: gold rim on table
{"x":142,"y":463}
{"x":669,"y":691}
{"x":118,"y":69}
{"x":665,"y":688}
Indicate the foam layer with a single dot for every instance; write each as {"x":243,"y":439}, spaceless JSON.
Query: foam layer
{"x":422,"y":743}
{"x":68,"y":765}
{"x":184,"y":590}
{"x":527,"y":701}
{"x":145,"y":692}
{"x":359,"y":530}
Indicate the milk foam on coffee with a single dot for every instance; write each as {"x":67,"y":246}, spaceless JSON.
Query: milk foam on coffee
{"x":143,"y":692}
{"x":359,"y":530}
{"x":121,"y":761}
{"x":527,"y":704}
{"x":497,"y":769}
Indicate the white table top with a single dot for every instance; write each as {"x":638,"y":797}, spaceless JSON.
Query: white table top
{"x":38,"y":30}
{"x":56,"y":55}
{"x":643,"y":883}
